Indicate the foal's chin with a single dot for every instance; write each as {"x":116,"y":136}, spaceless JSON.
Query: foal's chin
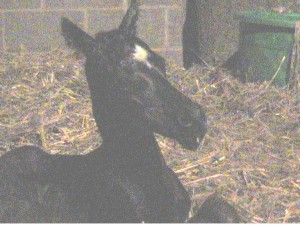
{"x":191,"y":144}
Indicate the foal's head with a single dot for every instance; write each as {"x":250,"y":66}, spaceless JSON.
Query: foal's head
{"x":127,"y":69}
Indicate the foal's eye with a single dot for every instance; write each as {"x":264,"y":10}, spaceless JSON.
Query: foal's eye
{"x":185,"y":120}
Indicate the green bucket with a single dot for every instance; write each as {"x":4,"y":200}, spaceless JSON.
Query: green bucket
{"x":266,"y":45}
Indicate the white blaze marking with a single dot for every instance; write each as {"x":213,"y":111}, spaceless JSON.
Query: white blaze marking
{"x":141,"y":54}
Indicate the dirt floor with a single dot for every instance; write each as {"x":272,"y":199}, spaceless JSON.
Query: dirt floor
{"x":250,"y":155}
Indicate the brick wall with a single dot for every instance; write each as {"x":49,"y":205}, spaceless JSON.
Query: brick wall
{"x":33,"y":25}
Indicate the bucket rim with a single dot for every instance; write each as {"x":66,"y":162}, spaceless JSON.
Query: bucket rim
{"x":286,"y":20}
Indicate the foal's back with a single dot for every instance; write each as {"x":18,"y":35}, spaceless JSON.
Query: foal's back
{"x":38,"y":187}
{"x":24,"y":196}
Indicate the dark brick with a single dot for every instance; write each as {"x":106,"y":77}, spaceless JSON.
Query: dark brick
{"x":1,"y":21}
{"x":104,"y":20}
{"x":1,"y":41}
{"x":151,"y":27}
{"x":163,"y":2}
{"x":172,"y":56}
{"x":1,"y":33}
{"x":20,"y":4}
{"x":175,"y":25}
{"x":75,"y":4}
{"x":36,"y":31}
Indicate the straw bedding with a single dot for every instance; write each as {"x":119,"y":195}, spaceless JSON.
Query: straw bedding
{"x":250,"y":155}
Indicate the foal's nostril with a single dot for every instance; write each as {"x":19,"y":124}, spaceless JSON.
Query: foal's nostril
{"x":185,"y":120}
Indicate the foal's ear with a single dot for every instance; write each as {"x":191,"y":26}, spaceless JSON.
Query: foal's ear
{"x":128,"y":25}
{"x":77,"y":38}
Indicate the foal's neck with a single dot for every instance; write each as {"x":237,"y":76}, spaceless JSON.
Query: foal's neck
{"x":127,"y":138}
{"x":135,"y":148}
